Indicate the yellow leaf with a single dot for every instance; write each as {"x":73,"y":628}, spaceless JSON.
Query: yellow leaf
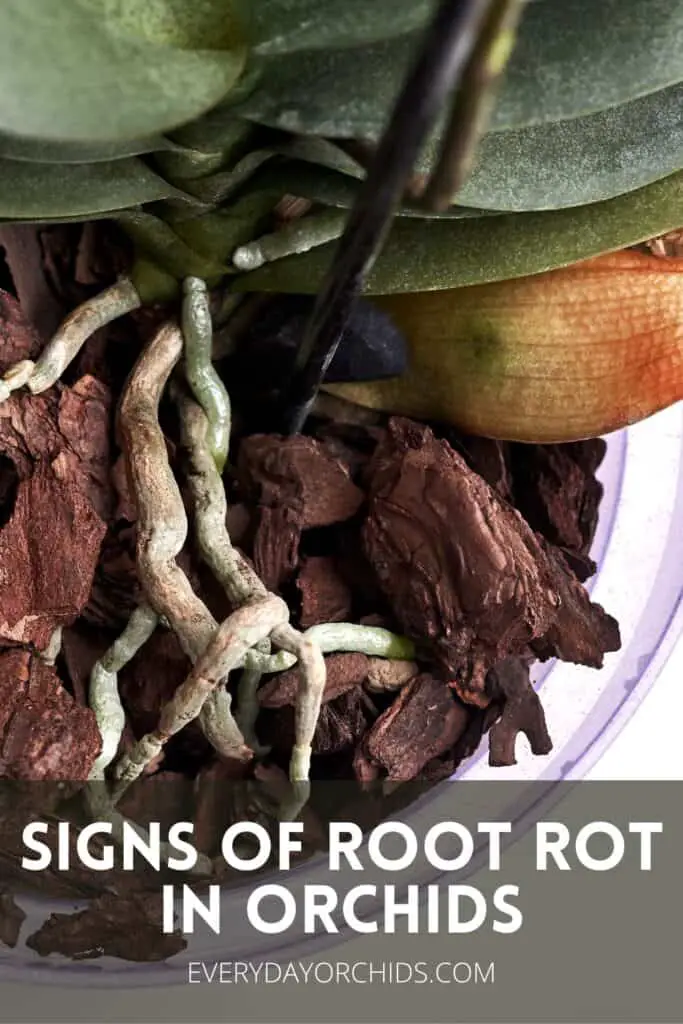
{"x":559,"y":356}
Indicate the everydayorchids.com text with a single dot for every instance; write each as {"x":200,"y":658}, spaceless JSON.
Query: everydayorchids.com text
{"x":326,"y":972}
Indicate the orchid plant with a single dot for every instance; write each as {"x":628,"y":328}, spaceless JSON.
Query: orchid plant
{"x":234,"y":142}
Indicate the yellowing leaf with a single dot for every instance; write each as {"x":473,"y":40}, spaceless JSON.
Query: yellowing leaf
{"x":559,"y":356}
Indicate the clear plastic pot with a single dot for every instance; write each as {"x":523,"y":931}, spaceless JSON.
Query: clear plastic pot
{"x":639,"y":551}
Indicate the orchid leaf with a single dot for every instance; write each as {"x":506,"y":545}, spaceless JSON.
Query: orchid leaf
{"x":576,"y":57}
{"x":330,"y":188}
{"x":216,"y":234}
{"x":216,"y":188}
{"x":77,"y":218}
{"x":200,"y":25}
{"x":343,"y":93}
{"x":111,"y":70}
{"x":201,"y":245}
{"x":543,"y":359}
{"x":286,"y":26}
{"x":218,"y":130}
{"x":155,"y":239}
{"x":430,"y":255}
{"x":14,"y":147}
{"x":580,"y":161}
{"x":573,"y":57}
{"x":32,"y":191}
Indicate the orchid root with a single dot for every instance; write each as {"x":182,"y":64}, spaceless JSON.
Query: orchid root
{"x":162,"y":525}
{"x":242,"y":585}
{"x":81,"y":324}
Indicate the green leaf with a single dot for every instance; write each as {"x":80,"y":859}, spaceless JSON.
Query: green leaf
{"x":216,"y":234}
{"x":214,"y":189}
{"x":94,"y":70}
{"x":573,"y":57}
{"x":345,"y":93}
{"x":576,"y":57}
{"x":215,"y":142}
{"x":285,"y":26}
{"x":427,"y":255}
{"x":330,"y":188}
{"x":200,"y":246}
{"x":155,"y":239}
{"x":198,"y":25}
{"x":77,"y":218}
{"x":217,"y":131}
{"x":321,"y":152}
{"x":13,"y":147}
{"x":581,"y":161}
{"x":32,"y":191}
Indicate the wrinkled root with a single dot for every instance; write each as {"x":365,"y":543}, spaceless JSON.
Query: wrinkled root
{"x":104,"y":684}
{"x":65,"y":345}
{"x":257,"y":636}
{"x":240,"y":631}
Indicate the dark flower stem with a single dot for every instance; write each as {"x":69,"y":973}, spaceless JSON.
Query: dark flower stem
{"x":444,"y":58}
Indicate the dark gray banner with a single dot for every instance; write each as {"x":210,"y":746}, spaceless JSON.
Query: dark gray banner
{"x":436,"y":913}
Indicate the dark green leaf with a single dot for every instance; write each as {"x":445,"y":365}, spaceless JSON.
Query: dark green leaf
{"x":573,"y":57}
{"x":215,"y":235}
{"x":32,"y":191}
{"x":321,"y":152}
{"x":37,"y":151}
{"x":284,"y":26}
{"x":155,"y":239}
{"x":215,"y":188}
{"x":219,"y":130}
{"x":77,"y":218}
{"x":580,"y":161}
{"x":426,"y":255}
{"x":183,"y":166}
{"x":201,"y":246}
{"x":211,"y":144}
{"x":345,"y":93}
{"x":331,"y":188}
{"x":195,"y":25}
{"x":576,"y":57}
{"x":106,"y":70}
